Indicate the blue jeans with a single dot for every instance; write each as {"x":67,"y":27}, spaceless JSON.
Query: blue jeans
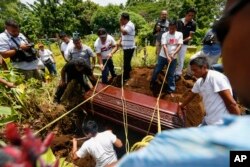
{"x":52,"y":68}
{"x":171,"y":72}
{"x":109,"y":67}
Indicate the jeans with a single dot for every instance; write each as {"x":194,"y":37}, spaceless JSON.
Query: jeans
{"x":170,"y":75}
{"x":109,"y":67}
{"x":128,"y":54}
{"x":52,"y":68}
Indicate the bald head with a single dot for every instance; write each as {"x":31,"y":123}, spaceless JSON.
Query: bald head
{"x":164,"y":15}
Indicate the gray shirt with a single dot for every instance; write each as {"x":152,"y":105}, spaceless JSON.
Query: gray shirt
{"x":6,"y":43}
{"x":85,"y":52}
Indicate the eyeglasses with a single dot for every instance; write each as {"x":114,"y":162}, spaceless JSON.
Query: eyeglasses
{"x":221,"y":28}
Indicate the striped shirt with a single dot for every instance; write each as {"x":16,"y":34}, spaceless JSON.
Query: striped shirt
{"x":128,"y":40}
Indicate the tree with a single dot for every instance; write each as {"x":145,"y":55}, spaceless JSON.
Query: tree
{"x":106,"y":17}
{"x":8,"y":10}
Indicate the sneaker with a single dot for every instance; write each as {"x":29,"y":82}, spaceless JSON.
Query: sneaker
{"x":177,"y":78}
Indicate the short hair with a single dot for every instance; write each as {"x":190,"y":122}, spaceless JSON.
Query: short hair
{"x":12,"y":23}
{"x":191,"y":10}
{"x":62,"y":34}
{"x":172,"y":23}
{"x":79,"y":61}
{"x":125,"y":16}
{"x":200,"y":62}
{"x":90,"y":127}
{"x":101,"y":31}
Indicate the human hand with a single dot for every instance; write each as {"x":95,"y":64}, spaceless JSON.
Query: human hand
{"x":101,"y":67}
{"x":10,"y":85}
{"x":110,"y":55}
{"x":62,"y":83}
{"x":24,"y":46}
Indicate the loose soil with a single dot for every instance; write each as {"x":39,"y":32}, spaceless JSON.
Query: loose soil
{"x":70,"y":126}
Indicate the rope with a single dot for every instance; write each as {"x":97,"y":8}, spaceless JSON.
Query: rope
{"x":70,"y":111}
{"x":97,"y":82}
{"x":125,"y":115}
{"x":145,"y":141}
{"x":157,"y":106}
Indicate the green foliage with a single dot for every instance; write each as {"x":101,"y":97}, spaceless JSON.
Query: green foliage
{"x":106,"y":17}
{"x":50,"y":158}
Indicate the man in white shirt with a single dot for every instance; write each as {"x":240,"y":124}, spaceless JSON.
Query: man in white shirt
{"x":171,"y":43}
{"x":99,"y":146}
{"x":127,"y":29}
{"x":105,"y":47}
{"x":67,"y":42}
{"x":215,"y":90}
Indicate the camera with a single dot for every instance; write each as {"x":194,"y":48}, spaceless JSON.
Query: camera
{"x":31,"y":44}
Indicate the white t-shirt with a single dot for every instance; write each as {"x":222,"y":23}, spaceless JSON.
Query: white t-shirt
{"x":172,"y":41}
{"x":100,"y":148}
{"x":45,"y":55}
{"x":106,"y":48}
{"x":65,"y":45}
{"x":214,"y":105}
{"x":128,"y":40}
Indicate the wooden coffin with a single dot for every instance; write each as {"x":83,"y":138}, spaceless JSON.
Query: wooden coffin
{"x":139,"y":108}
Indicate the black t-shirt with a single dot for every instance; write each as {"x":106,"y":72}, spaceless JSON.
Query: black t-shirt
{"x":164,"y":28}
{"x":186,"y":29}
{"x":72,"y":73}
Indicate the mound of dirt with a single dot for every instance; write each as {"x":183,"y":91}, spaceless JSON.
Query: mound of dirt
{"x":140,"y":81}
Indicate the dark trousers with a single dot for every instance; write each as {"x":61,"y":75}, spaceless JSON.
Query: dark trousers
{"x":108,"y":68}
{"x":127,"y":56}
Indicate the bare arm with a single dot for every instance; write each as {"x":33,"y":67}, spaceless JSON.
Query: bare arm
{"x":123,"y":31}
{"x":230,"y":103}
{"x":8,"y":84}
{"x":191,"y":34}
{"x":74,"y":149}
{"x":187,"y":100}
{"x":118,"y":143}
{"x":9,"y":53}
{"x":176,"y":50}
{"x":165,"y":49}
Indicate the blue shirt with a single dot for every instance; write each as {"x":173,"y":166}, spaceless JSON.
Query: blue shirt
{"x":212,"y":50}
{"x":204,"y":146}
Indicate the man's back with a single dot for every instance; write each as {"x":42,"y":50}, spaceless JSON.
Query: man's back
{"x":101,"y":148}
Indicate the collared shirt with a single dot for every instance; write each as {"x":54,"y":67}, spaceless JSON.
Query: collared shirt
{"x":163,"y":24}
{"x":6,"y":43}
{"x":186,"y":29}
{"x":85,"y":52}
{"x":128,"y":40}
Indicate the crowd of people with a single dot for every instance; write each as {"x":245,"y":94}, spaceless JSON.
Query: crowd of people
{"x":207,"y":145}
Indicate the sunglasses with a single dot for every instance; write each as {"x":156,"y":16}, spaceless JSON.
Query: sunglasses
{"x":221,"y":28}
